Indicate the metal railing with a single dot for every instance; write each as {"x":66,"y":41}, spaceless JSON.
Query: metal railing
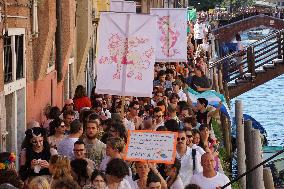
{"x":255,"y":57}
{"x":225,"y":21}
{"x":265,"y":163}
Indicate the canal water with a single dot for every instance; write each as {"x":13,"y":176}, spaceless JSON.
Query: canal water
{"x":265,"y":103}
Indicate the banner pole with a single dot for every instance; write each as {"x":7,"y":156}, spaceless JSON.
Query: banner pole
{"x":122,"y":112}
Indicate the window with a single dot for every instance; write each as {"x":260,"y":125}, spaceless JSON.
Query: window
{"x":13,"y":58}
{"x":19,"y":50}
{"x":8,"y":63}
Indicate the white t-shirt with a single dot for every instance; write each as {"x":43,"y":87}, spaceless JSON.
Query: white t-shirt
{"x":210,"y":183}
{"x":178,"y":184}
{"x":134,"y":184}
{"x":124,"y":184}
{"x":186,"y":170}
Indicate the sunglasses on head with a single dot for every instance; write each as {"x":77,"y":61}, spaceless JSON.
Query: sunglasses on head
{"x":182,"y":138}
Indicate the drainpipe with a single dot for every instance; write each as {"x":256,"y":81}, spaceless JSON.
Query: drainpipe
{"x":58,"y":63}
{"x":35,"y":19}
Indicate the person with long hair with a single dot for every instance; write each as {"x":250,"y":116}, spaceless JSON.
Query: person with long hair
{"x":196,"y":136}
{"x":56,"y":132}
{"x":143,"y":170}
{"x":81,"y":99}
{"x":172,"y":171}
{"x":36,"y":154}
{"x":59,"y":167}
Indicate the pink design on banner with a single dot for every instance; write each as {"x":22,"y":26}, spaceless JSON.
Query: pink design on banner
{"x":169,"y":36}
{"x":137,"y":57}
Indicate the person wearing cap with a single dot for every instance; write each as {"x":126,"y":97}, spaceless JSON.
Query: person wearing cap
{"x":177,"y":88}
{"x":66,"y":146}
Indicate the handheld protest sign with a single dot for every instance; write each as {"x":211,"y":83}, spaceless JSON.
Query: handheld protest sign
{"x":151,"y":146}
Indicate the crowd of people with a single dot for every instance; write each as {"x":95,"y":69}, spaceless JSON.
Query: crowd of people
{"x":83,"y":144}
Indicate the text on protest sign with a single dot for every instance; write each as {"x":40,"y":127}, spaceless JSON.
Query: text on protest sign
{"x":151,"y":146}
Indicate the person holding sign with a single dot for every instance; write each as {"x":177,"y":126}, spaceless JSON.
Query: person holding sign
{"x":144,"y":170}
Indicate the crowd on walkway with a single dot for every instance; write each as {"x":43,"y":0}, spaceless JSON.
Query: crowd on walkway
{"x":82,"y":145}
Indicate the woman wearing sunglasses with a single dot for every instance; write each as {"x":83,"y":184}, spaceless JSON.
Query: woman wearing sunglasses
{"x":57,"y":129}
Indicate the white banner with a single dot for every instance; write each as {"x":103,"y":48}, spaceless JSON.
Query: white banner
{"x":123,"y":6}
{"x":126,"y":54}
{"x":172,"y":36}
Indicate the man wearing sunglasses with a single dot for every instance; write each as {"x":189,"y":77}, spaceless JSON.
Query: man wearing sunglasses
{"x":190,"y":162}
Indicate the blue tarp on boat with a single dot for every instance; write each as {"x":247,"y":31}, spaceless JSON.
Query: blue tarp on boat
{"x":255,"y":125}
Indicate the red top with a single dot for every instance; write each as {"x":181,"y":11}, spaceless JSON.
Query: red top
{"x":82,"y":102}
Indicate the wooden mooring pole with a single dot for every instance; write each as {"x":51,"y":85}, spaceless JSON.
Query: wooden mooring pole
{"x":248,"y":144}
{"x":268,"y":179}
{"x":226,"y":130}
{"x":256,"y":151}
{"x":241,"y":157}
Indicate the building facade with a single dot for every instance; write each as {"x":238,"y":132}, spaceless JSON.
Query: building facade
{"x":33,"y":77}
